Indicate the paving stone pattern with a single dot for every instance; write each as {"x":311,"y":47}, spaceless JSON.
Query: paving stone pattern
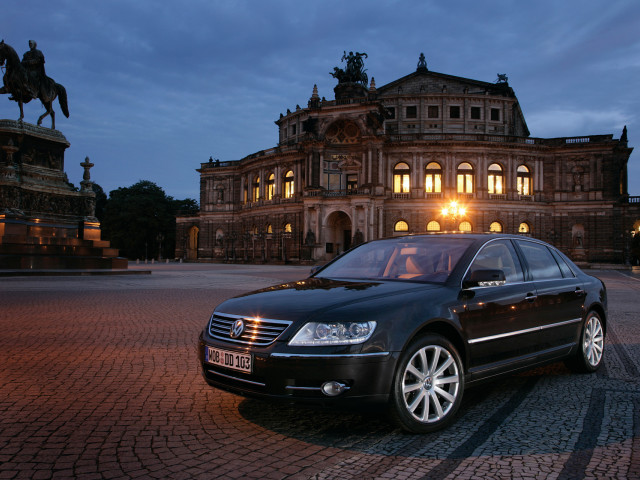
{"x":99,"y":380}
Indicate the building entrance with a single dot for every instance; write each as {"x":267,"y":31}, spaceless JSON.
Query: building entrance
{"x":337,"y":234}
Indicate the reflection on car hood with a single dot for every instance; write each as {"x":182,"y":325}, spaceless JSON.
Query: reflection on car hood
{"x":295,"y":300}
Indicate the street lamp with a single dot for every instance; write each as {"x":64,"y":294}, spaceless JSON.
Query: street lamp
{"x":453,"y":212}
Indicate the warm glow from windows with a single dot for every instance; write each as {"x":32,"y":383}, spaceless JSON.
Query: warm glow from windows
{"x":495,"y":179}
{"x":523,"y":181}
{"x":433,"y":178}
{"x":401,"y":226}
{"x":401,"y":182}
{"x":255,"y":190}
{"x":464,"y":227}
{"x":287,"y":228}
{"x":271,"y":186}
{"x":433,"y":226}
{"x":524,"y":228}
{"x":288,"y":185}
{"x":465,"y":178}
{"x":495,"y":227}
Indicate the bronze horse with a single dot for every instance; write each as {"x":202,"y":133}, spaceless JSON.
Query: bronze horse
{"x":15,"y":84}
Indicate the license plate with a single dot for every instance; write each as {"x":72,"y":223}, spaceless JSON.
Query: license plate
{"x":225,"y":358}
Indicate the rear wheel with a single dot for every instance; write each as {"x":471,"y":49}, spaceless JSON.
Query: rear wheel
{"x":590,"y":352}
{"x":428,"y":385}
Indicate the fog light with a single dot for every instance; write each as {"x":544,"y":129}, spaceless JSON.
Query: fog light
{"x":333,"y":388}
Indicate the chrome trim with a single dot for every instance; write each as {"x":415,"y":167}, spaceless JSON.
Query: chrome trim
{"x":521,"y":332}
{"x":313,"y":355}
{"x":559,"y":324}
{"x":306,"y":389}
{"x":236,"y":378}
{"x":255,"y":331}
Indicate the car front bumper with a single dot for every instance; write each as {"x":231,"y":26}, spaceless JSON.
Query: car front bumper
{"x":281,"y":374}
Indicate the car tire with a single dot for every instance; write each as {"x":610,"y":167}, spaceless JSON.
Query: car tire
{"x":590,"y":353}
{"x":428,"y":385}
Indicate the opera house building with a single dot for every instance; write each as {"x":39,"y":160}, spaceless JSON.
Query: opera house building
{"x":428,"y":152}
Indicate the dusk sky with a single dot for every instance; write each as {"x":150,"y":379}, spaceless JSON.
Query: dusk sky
{"x":157,"y":87}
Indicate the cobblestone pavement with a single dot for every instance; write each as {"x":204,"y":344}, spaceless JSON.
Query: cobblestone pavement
{"x":99,"y":379}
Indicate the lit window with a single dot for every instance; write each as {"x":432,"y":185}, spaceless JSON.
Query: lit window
{"x":288,"y":184}
{"x":433,"y":226}
{"x":352,"y":182}
{"x":464,"y":227}
{"x":287,"y":228}
{"x":465,"y":178}
{"x":401,"y":178}
{"x":269,"y":229}
{"x":524,"y":228}
{"x":523,"y":180}
{"x":255,"y":189}
{"x":401,"y":226}
{"x":433,"y":178}
{"x":495,"y":227}
{"x":271,"y":186}
{"x":254,"y":230}
{"x":495,"y":179}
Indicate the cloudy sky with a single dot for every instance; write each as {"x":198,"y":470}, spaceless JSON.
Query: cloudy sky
{"x":157,"y":87}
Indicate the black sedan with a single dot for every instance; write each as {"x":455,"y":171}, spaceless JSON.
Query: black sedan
{"x":410,"y":322}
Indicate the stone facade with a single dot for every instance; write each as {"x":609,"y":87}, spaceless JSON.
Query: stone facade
{"x":384,"y":161}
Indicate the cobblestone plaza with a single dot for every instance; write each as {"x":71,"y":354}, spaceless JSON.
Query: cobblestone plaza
{"x":100,"y":379}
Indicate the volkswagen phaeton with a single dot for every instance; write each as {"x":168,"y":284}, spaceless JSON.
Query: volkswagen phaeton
{"x":409,"y":322}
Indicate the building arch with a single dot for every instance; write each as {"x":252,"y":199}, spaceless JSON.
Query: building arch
{"x":433,"y":226}
{"x":465,"y":178}
{"x":495,"y":179}
{"x":343,"y":132}
{"x":192,"y":243}
{"x":496,"y":227}
{"x":433,"y":178}
{"x":401,"y":226}
{"x":336,"y":233}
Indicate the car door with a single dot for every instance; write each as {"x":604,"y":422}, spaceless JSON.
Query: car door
{"x":560,"y":297}
{"x":499,"y":320}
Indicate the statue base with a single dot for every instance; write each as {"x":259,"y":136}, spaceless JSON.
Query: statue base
{"x":45,"y":223}
{"x":348,"y":90}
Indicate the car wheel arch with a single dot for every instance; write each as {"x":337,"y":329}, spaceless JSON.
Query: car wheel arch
{"x":444,"y":329}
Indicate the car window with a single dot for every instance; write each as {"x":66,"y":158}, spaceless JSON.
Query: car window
{"x":499,"y":255}
{"x":542,"y":264}
{"x":566,"y":270}
{"x":430,"y":259}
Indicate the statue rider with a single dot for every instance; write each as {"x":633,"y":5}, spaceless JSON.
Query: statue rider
{"x":33,"y":62}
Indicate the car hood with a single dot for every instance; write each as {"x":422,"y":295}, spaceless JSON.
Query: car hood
{"x":305,"y":298}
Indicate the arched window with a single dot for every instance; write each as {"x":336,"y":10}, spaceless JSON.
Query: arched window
{"x":401,"y":183}
{"x":269,"y":229}
{"x":465,"y":227}
{"x":271,"y":186}
{"x":287,"y":228}
{"x":254,"y":230}
{"x":433,"y":226}
{"x":495,"y":227}
{"x":496,"y":179}
{"x":433,"y":178}
{"x":524,"y":228}
{"x":401,"y":226}
{"x":255,"y":189}
{"x":288,"y":184}
{"x":524,"y":180}
{"x":465,"y":178}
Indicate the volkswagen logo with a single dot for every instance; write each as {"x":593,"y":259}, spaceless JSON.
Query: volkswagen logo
{"x":237,"y":328}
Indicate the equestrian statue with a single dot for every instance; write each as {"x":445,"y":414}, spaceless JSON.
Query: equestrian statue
{"x":26,"y":80}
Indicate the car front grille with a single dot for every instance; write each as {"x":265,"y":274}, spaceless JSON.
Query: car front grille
{"x":257,"y":331}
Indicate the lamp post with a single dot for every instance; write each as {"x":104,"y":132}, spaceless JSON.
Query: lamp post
{"x":452,"y":213}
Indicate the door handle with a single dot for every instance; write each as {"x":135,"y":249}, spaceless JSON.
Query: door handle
{"x":530,"y":297}
{"x":579,"y":291}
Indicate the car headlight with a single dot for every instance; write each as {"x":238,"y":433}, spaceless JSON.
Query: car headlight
{"x":333,"y":333}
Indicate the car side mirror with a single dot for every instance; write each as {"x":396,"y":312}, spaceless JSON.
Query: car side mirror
{"x":314,"y":269}
{"x":484,"y":278}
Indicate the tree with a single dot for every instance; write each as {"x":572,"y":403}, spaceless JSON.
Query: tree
{"x":140,"y":220}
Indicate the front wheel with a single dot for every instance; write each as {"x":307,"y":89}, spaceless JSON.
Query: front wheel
{"x":588,"y":358}
{"x":428,"y":385}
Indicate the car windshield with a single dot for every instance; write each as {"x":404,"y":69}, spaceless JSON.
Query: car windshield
{"x":416,"y":259}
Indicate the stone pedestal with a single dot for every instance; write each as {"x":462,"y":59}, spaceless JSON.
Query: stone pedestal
{"x":45,"y":223}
